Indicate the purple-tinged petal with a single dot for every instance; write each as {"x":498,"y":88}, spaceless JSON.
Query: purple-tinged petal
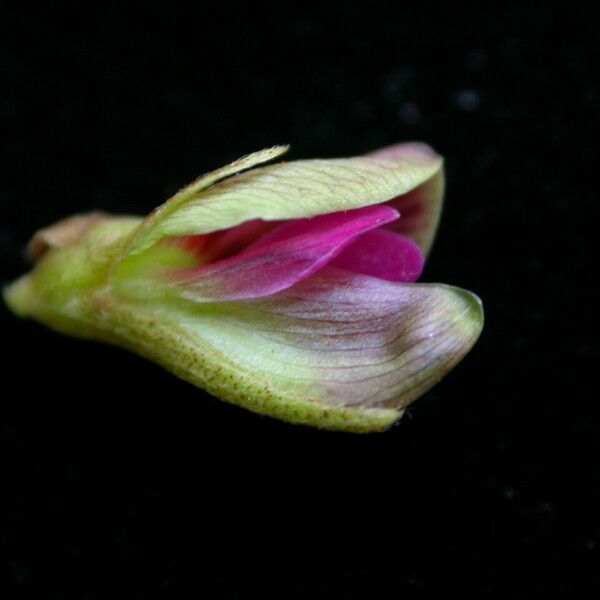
{"x":337,"y":350}
{"x":382,"y":254}
{"x":289,"y":253}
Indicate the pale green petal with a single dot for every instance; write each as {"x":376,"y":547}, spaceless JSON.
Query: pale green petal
{"x":290,"y":190}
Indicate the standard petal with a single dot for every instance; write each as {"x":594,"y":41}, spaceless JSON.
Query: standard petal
{"x":336,"y":351}
{"x":284,"y":191}
{"x":382,"y":254}
{"x":291,"y":252}
{"x":421,"y":208}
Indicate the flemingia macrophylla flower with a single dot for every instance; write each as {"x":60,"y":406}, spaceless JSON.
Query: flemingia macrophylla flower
{"x":288,"y":288}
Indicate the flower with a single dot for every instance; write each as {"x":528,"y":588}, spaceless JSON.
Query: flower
{"x":288,"y":289}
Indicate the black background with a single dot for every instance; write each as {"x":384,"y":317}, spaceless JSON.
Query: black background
{"x":123,"y":482}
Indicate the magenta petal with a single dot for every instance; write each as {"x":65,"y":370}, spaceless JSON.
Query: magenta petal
{"x":291,"y":252}
{"x":382,"y":254}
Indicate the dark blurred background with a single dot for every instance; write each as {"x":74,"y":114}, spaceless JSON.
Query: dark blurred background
{"x":123,"y":482}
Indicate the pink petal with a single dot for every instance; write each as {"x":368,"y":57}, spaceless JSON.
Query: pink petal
{"x":291,"y":252}
{"x":382,"y":254}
